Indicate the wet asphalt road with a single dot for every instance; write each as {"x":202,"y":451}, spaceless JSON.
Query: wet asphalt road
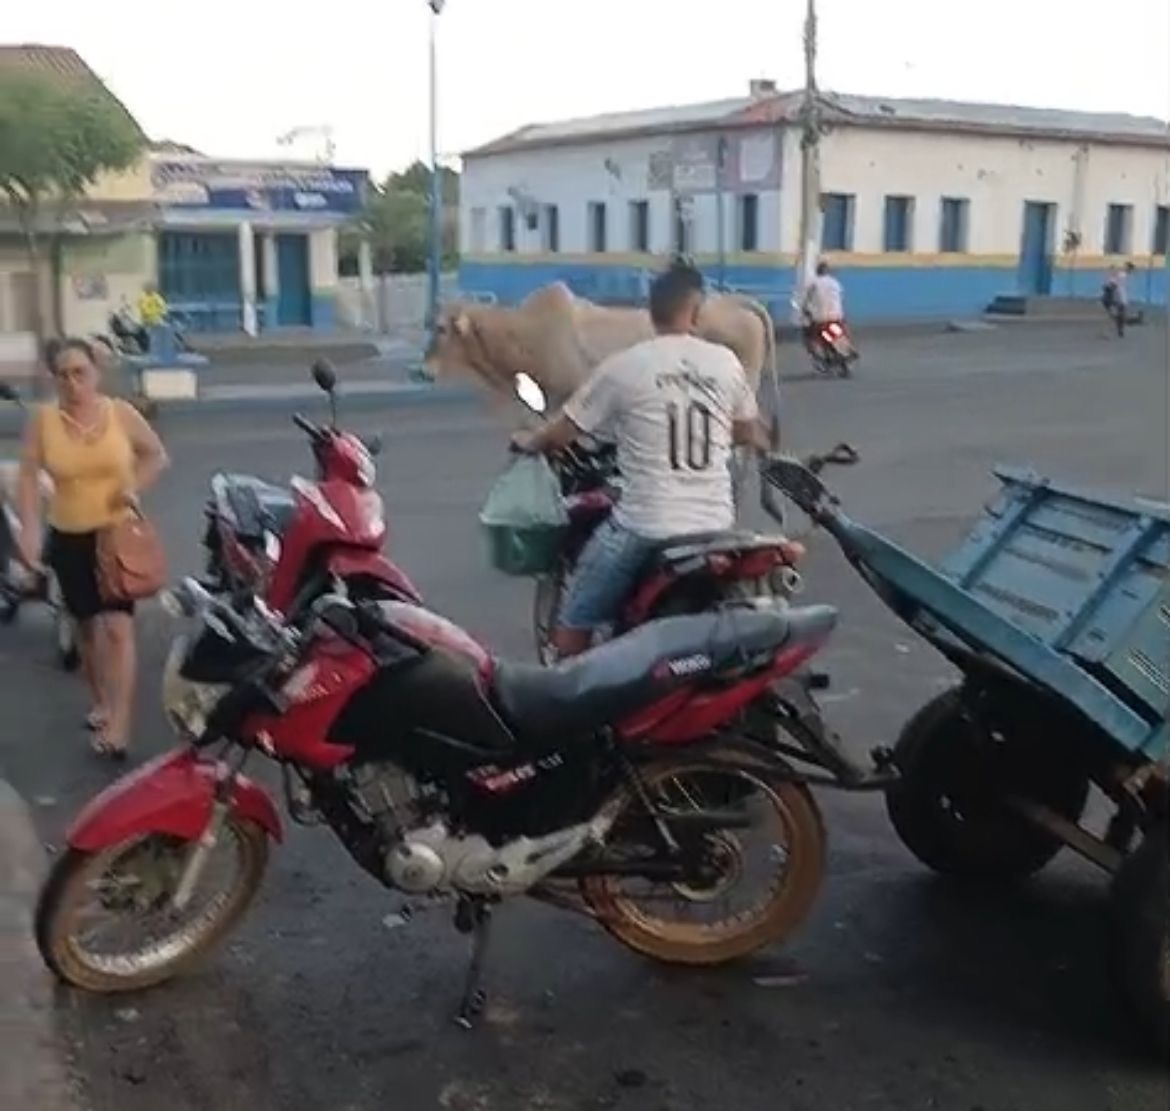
{"x":901,"y":992}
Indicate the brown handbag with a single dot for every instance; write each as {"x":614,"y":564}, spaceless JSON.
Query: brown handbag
{"x":131,"y":563}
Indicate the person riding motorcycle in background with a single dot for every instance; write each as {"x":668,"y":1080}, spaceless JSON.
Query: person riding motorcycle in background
{"x":675,"y":405}
{"x":823,"y":303}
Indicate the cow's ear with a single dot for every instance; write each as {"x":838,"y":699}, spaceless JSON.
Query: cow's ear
{"x":461,"y":324}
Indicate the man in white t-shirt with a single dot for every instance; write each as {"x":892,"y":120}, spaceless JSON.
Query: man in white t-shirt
{"x":675,"y":404}
{"x":824,"y":303}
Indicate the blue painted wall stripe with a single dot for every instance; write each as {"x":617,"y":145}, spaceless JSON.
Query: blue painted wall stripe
{"x":871,"y":293}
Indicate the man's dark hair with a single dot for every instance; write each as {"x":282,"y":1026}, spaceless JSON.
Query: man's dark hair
{"x":671,"y":289}
{"x":822,"y":267}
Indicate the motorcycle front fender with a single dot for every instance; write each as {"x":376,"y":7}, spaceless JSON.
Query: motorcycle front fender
{"x":171,"y":794}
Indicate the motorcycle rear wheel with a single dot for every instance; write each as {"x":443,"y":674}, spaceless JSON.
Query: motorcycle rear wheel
{"x":787,"y":902}
{"x":75,"y":873}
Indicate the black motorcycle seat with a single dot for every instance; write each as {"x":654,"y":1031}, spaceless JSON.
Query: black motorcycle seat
{"x":625,"y":675}
{"x":257,"y":505}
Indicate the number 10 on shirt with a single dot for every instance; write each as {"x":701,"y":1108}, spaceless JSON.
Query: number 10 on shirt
{"x":690,"y":430}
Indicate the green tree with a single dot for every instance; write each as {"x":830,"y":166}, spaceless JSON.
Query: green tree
{"x":396,"y":222}
{"x":56,"y":139}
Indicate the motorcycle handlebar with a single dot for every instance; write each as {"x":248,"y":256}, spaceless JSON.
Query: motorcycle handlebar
{"x":799,"y":481}
{"x":307,"y":426}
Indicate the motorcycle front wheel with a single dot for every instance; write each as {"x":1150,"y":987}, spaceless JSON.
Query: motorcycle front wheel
{"x":696,"y":922}
{"x":104,"y":920}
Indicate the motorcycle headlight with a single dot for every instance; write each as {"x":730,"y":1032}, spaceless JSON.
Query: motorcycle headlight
{"x":187,"y":704}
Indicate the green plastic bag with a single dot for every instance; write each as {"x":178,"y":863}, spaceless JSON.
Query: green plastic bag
{"x":524,"y":518}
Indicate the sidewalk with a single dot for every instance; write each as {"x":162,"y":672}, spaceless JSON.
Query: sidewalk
{"x":33,"y":1076}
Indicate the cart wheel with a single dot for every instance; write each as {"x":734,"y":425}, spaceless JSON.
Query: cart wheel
{"x":1141,"y":934}
{"x":946,"y":803}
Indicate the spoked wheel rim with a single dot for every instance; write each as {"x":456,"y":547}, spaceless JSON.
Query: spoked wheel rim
{"x":775,"y":867}
{"x":115,"y":926}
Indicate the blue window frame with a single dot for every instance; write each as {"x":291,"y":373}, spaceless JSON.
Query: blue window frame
{"x":1161,"y":244}
{"x":837,"y":222}
{"x":953,"y":231}
{"x":1119,"y":229}
{"x":897,"y":224}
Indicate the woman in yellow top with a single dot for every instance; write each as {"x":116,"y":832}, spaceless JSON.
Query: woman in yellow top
{"x":100,"y":454}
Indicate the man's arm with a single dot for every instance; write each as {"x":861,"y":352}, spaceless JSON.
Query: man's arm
{"x":550,"y":438}
{"x":752,"y":432}
{"x":589,"y":409}
{"x":746,"y":425}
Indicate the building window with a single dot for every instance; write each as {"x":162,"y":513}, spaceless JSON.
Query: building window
{"x":837,"y":226}
{"x":551,"y":234}
{"x":1118,"y":229}
{"x":507,"y":228}
{"x":682,"y":225}
{"x":597,"y":227}
{"x":1162,"y":230}
{"x":748,"y":221}
{"x":897,"y":224}
{"x":640,"y":226}
{"x":953,"y":225}
{"x":478,"y":231}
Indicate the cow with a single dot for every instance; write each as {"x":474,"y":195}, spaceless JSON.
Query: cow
{"x":558,"y":339}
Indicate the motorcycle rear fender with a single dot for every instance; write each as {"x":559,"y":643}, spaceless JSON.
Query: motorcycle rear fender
{"x":171,"y":794}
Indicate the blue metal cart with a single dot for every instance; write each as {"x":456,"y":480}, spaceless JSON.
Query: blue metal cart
{"x":1056,"y":610}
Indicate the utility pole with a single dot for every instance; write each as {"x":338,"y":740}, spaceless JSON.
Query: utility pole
{"x":436,"y":233}
{"x":720,"y":185}
{"x":810,"y":161}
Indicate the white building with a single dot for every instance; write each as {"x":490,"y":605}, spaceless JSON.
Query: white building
{"x":928,"y":207}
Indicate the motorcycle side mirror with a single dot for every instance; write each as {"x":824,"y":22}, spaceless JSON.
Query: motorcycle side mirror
{"x":324,"y":376}
{"x":529,"y":392}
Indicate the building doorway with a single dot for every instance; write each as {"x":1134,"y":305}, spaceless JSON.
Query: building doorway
{"x":294,"y":302}
{"x":1036,"y":247}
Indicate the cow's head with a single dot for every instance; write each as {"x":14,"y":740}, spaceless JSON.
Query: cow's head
{"x":450,"y":347}
{"x":459,"y":345}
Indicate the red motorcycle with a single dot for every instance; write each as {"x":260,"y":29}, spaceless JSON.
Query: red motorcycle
{"x":292,"y":544}
{"x":832,"y":349}
{"x":687,"y":574}
{"x":447,"y":773}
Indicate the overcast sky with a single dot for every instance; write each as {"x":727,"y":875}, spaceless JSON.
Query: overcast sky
{"x":228,"y":76}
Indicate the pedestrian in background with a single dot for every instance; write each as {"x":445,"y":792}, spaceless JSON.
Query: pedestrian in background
{"x":1115,"y":296}
{"x":100,"y":454}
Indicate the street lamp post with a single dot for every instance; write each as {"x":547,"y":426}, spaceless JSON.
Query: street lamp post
{"x":436,"y":233}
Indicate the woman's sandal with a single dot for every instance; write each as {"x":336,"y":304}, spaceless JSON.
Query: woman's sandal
{"x":103,"y":746}
{"x":96,"y":720}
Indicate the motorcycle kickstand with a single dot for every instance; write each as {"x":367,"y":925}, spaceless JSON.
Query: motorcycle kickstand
{"x":473,"y":916}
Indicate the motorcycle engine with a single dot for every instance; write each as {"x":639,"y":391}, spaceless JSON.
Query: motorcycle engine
{"x":412,"y":842}
{"x":420,"y":854}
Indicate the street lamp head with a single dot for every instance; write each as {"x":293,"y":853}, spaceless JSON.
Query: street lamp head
{"x":436,"y":6}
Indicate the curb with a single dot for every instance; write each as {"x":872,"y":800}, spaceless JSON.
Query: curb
{"x":225,"y":399}
{"x":32,"y":1070}
{"x":251,"y":398}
